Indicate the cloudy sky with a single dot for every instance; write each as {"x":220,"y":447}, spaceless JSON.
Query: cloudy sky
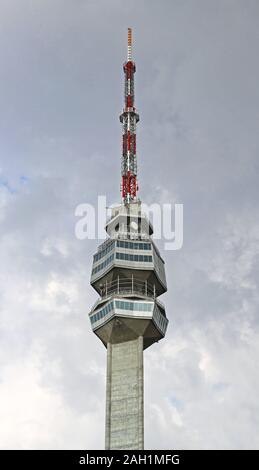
{"x":197,"y":94}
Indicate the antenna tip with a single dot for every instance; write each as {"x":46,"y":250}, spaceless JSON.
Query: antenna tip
{"x":129,"y":43}
{"x":129,"y":37}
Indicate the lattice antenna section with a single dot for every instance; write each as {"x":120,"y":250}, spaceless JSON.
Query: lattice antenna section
{"x":129,"y":119}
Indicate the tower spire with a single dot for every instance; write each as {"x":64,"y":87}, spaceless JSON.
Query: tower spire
{"x":129,"y":119}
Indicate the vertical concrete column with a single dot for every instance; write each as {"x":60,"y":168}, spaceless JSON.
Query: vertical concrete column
{"x":124,"y":396}
{"x":108,"y":397}
{"x":141,"y":393}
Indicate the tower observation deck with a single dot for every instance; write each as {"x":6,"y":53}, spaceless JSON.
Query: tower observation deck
{"x":129,"y":276}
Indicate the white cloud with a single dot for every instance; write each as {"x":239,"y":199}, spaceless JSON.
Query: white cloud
{"x":36,"y":416}
{"x":49,"y":246}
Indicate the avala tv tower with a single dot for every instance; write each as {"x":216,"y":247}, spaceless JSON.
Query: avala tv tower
{"x":128,"y":274}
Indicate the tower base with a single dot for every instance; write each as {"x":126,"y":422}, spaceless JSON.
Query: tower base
{"x":124,"y":396}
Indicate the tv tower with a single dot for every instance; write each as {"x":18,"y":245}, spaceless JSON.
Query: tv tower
{"x":128,"y":274}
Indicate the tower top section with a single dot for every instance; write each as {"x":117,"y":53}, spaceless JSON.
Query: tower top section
{"x":129,"y":119}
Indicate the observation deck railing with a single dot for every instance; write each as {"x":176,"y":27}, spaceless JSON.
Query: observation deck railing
{"x":122,"y":287}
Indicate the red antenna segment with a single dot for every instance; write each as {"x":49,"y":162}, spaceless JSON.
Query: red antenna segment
{"x":129,"y":119}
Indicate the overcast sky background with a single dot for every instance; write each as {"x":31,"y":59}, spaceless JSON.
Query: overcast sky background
{"x":61,"y":92}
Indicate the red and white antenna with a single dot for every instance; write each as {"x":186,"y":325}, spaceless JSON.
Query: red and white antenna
{"x":129,"y":119}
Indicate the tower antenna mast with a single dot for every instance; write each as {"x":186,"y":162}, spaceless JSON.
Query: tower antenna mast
{"x":129,"y":119}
